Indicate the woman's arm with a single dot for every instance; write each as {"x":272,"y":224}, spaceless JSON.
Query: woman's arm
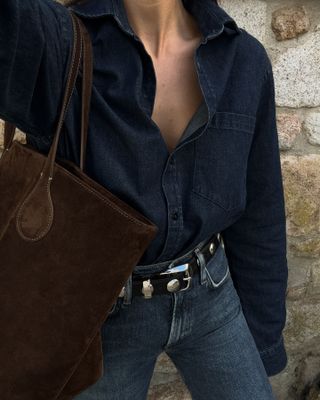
{"x":256,"y":243}
{"x":35,"y":45}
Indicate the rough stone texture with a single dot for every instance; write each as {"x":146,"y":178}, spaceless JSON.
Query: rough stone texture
{"x":313,"y":288}
{"x":166,"y":383}
{"x":311,"y":125}
{"x":296,"y":64}
{"x":302,"y":193}
{"x":299,"y":380}
{"x":297,"y":74}
{"x":302,"y":337}
{"x":289,"y":22}
{"x":169,"y":391}
{"x":289,"y":127}
{"x":314,"y":393}
{"x":303,"y":324}
{"x":306,"y":377}
{"x":310,"y":247}
{"x":249,"y":14}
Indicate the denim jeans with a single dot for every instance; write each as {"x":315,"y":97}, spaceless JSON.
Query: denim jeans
{"x":203,"y":330}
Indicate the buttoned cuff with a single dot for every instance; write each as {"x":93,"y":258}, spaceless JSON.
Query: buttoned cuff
{"x":274,"y":358}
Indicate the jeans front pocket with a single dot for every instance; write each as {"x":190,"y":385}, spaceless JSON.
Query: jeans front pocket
{"x":221,"y":155}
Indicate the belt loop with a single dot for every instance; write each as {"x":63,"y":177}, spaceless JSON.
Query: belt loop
{"x":128,"y":291}
{"x":201,"y":264}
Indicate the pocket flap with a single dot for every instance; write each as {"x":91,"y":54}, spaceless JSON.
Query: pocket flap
{"x":230,"y":120}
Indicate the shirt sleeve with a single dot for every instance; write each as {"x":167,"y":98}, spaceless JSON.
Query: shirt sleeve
{"x":255,"y":244}
{"x":35,"y":51}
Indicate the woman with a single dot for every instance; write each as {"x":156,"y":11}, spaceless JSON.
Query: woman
{"x":182,"y":126}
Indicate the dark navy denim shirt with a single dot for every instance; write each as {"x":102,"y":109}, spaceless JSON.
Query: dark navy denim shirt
{"x":223,"y":176}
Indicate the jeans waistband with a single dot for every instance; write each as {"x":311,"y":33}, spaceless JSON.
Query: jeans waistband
{"x":161,"y":266}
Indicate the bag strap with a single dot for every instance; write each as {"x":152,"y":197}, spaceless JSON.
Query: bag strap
{"x":86,"y":91}
{"x":81,"y":46}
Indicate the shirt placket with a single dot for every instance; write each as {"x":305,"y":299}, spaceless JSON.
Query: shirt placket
{"x":171,"y":183}
{"x":172,"y":191}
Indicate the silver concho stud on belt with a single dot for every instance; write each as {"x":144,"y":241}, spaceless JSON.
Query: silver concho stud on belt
{"x":147,"y":289}
{"x":173,"y":285}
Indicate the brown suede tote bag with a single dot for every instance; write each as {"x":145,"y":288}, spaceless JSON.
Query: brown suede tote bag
{"x":67,"y":247}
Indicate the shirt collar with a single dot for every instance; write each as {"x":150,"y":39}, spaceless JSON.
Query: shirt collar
{"x":212,"y":19}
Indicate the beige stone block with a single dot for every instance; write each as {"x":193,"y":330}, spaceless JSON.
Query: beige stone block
{"x":289,"y":127}
{"x":249,"y":14}
{"x":295,"y":293}
{"x":313,"y":287}
{"x":309,"y":247}
{"x":301,"y":180}
{"x":297,"y":74}
{"x":302,"y":325}
{"x":311,"y":125}
{"x":289,"y":22}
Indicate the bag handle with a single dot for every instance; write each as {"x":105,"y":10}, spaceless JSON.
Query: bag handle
{"x":82,"y":46}
{"x":38,"y":206}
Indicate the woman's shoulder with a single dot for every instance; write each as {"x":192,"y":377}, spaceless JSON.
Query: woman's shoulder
{"x":253,"y":52}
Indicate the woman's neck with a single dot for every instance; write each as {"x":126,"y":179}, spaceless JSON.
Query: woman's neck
{"x":159,"y":23}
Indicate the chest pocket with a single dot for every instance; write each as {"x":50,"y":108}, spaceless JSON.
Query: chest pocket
{"x":220,"y":164}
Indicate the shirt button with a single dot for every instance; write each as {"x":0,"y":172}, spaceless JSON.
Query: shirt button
{"x":175,"y":215}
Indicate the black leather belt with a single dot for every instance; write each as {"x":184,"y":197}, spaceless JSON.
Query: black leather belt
{"x":177,"y":277}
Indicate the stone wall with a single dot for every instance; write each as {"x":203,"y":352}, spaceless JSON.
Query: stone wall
{"x":290,"y":31}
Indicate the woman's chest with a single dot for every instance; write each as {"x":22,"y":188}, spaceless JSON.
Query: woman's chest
{"x":178,"y":96}
{"x":210,"y":164}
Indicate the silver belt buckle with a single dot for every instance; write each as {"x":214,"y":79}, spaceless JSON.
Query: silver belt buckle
{"x":174,"y":284}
